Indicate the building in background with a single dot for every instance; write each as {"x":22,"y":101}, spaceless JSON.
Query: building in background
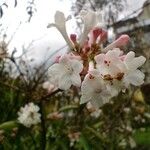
{"x":137,"y":25}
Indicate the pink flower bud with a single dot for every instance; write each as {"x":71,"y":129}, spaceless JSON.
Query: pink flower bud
{"x":96,"y":32}
{"x":103,"y":36}
{"x":121,"y":41}
{"x":57,"y":59}
{"x":73,"y":38}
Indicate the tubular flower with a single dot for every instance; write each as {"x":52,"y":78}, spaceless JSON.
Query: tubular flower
{"x":60,"y":24}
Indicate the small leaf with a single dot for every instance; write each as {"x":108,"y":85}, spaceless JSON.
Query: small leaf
{"x":8,"y":125}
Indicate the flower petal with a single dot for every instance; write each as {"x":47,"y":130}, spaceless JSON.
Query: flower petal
{"x":132,"y":62}
{"x":135,"y":78}
{"x":77,"y":66}
{"x":60,"y":19}
{"x":99,"y":58}
{"x":60,"y":24}
{"x":76,"y":80}
{"x":64,"y":82}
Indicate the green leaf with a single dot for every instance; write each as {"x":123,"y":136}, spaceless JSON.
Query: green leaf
{"x":84,"y":142}
{"x":142,"y":137}
{"x":8,"y":125}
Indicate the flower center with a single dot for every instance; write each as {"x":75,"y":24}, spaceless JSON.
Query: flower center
{"x":107,"y":62}
{"x":69,"y":69}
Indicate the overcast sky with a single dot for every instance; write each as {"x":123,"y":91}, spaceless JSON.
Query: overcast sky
{"x":46,"y":39}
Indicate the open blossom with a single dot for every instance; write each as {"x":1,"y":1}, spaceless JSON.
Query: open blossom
{"x":29,"y":115}
{"x":132,"y":74}
{"x":66,"y":72}
{"x":94,"y":90}
{"x":109,"y":63}
{"x":116,"y":67}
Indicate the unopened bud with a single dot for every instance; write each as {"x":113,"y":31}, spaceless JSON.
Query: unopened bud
{"x":96,"y":32}
{"x":73,"y":38}
{"x":121,"y":41}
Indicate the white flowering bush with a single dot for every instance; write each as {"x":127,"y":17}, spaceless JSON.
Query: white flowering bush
{"x":89,"y":98}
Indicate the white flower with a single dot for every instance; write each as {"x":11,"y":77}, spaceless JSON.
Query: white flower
{"x":66,"y":72}
{"x":60,"y":24}
{"x":132,"y":74}
{"x":93,"y":89}
{"x":110,"y":67}
{"x":120,"y":69}
{"x":110,"y":63}
{"x":29,"y":115}
{"x":90,"y":19}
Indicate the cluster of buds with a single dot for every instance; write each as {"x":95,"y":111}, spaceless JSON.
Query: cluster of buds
{"x":101,"y":73}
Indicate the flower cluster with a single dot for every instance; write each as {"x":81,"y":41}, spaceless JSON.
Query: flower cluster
{"x":101,"y":72}
{"x":29,"y":115}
